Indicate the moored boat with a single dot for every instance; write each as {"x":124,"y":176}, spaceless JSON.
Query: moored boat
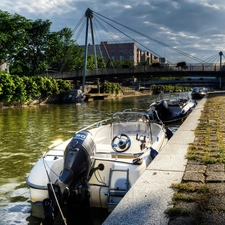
{"x":97,"y":166}
{"x":198,"y":92}
{"x":74,"y":96}
{"x":171,"y":108}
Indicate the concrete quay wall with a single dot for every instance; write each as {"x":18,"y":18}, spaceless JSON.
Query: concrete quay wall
{"x":151,"y":195}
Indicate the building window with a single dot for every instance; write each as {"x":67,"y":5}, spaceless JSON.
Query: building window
{"x":121,"y":51}
{"x":112,"y":52}
{"x":121,"y":57}
{"x":131,"y":57}
{"x":113,"y":57}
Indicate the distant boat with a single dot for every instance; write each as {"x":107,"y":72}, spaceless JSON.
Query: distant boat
{"x":198,"y":92}
{"x":171,"y":108}
{"x":74,"y":96}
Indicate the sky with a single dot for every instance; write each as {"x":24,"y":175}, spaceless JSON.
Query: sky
{"x":179,"y":30}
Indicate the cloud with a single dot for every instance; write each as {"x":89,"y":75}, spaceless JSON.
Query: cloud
{"x":195,"y":27}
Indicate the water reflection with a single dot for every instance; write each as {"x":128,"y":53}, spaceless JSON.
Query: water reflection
{"x":26,"y":133}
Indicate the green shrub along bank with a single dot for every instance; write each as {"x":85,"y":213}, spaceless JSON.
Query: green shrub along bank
{"x":111,"y":88}
{"x":23,"y":89}
{"x":15,"y":89}
{"x":168,"y":88}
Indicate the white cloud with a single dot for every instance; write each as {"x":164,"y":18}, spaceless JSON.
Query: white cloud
{"x":188,"y":25}
{"x":127,"y":7}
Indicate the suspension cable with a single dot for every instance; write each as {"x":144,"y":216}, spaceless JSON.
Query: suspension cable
{"x":131,"y":38}
{"x":113,"y":37}
{"x":81,"y":23}
{"x":100,"y":48}
{"x":155,"y":40}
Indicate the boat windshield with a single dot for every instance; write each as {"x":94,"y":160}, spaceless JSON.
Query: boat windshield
{"x":173,"y":96}
{"x":129,"y":116}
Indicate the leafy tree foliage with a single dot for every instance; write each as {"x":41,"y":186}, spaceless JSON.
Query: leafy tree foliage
{"x":13,"y":34}
{"x":182,"y":65}
{"x":114,"y":63}
{"x":7,"y":87}
{"x":64,"y":54}
{"x":31,"y":59}
{"x":30,"y":48}
{"x":101,"y":62}
{"x":15,"y":88}
{"x":111,"y":88}
{"x":32,"y":88}
{"x":19,"y":90}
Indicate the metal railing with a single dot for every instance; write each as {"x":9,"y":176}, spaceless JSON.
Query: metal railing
{"x":134,"y":69}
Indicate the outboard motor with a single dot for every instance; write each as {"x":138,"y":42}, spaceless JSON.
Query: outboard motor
{"x":78,"y":161}
{"x":162,"y":105}
{"x":162,"y":110}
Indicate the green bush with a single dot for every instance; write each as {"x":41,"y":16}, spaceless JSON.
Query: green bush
{"x":111,"y":88}
{"x":15,"y":88}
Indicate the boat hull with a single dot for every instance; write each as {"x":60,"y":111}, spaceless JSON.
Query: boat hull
{"x":119,"y":169}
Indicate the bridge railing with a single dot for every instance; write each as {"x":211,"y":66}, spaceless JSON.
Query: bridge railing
{"x":133,"y":70}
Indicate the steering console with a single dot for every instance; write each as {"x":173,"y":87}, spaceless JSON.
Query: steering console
{"x":121,"y":143}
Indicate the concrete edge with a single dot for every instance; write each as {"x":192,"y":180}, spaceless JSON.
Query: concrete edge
{"x":151,"y":195}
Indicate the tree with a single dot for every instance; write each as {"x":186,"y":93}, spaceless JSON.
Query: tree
{"x":13,"y":35}
{"x":156,"y":65}
{"x":37,"y":46}
{"x":182,"y":65}
{"x":101,"y":62}
{"x":114,"y":63}
{"x":64,"y":54}
{"x":127,"y":63}
{"x":143,"y":63}
{"x":31,"y":58}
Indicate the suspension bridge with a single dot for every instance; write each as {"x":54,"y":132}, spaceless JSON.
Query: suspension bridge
{"x":203,"y":69}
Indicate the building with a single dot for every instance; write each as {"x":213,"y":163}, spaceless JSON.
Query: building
{"x":4,"y":67}
{"x":163,"y":61}
{"x":122,"y":51}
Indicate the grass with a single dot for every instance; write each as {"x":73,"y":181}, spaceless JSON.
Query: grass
{"x":208,"y":148}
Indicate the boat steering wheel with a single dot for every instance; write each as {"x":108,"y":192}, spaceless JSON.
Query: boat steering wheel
{"x":121,"y":143}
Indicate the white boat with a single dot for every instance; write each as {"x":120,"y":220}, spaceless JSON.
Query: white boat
{"x":74,"y":96}
{"x":100,"y":163}
{"x":171,"y":108}
{"x":199,"y":92}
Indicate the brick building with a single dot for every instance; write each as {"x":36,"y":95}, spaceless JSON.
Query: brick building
{"x":122,"y":51}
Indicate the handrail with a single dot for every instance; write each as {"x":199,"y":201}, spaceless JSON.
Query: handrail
{"x":139,"y":69}
{"x":99,"y":123}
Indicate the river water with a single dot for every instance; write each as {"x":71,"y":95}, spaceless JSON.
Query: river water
{"x":26,"y":133}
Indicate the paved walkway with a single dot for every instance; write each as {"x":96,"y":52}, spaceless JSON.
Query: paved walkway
{"x":147,"y":200}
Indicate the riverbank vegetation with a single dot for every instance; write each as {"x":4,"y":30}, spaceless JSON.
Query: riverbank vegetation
{"x":23,"y":89}
{"x":169,"y":88}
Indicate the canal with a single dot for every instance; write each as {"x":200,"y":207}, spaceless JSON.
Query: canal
{"x":26,"y":133}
